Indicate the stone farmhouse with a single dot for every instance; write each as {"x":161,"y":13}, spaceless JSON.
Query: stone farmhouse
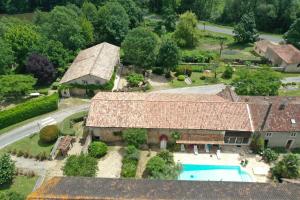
{"x":286,"y":57}
{"x":203,"y":120}
{"x":92,"y":66}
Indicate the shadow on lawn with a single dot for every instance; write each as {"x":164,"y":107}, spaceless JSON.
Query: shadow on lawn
{"x":44,"y":144}
{"x":239,"y":46}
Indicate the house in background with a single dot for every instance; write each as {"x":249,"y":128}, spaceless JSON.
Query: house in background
{"x":285,"y":57}
{"x":276,"y":118}
{"x":92,"y":66}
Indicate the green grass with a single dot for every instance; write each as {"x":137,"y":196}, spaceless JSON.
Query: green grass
{"x":31,"y":144}
{"x":287,"y":74}
{"x":289,"y":93}
{"x":195,"y":77}
{"x":208,"y":41}
{"x":21,"y":184}
{"x":70,"y":125}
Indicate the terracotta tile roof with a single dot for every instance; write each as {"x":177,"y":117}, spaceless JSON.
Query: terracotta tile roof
{"x":84,"y":188}
{"x":229,"y":94}
{"x":288,"y":53}
{"x":98,"y":61}
{"x":167,"y":111}
{"x":262,"y":45}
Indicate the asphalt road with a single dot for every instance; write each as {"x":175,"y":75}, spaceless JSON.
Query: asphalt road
{"x":229,"y":31}
{"x":32,"y":127}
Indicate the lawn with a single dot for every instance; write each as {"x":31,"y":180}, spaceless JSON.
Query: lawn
{"x":21,"y":184}
{"x":208,"y":41}
{"x":30,"y":144}
{"x":195,"y":77}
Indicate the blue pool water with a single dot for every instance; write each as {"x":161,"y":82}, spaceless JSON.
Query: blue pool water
{"x":213,"y":173}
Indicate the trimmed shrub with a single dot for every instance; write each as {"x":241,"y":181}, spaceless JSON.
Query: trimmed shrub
{"x":130,"y":162}
{"x":166,"y":156}
{"x":162,"y":166}
{"x":135,"y":136}
{"x":49,"y":133}
{"x":183,"y":70}
{"x":227,"y":74}
{"x":82,"y":165}
{"x":7,"y":169}
{"x":269,"y":155}
{"x":181,"y":78}
{"x":158,"y":70}
{"x":28,"y":110}
{"x":257,"y":144}
{"x":134,"y":79}
{"x":288,"y":167}
{"x":197,"y":56}
{"x":279,"y":149}
{"x":97,"y":149}
{"x":296,"y":150}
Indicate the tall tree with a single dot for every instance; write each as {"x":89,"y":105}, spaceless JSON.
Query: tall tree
{"x":22,"y":39}
{"x":65,"y":25}
{"x":112,"y":23}
{"x":14,"y":86}
{"x":7,"y":169}
{"x":261,"y":82}
{"x":133,"y":11}
{"x":41,"y":69}
{"x":169,"y":54}
{"x":292,"y":36}
{"x":90,"y":11}
{"x":141,"y":47}
{"x":186,"y":30}
{"x":7,"y":58}
{"x":245,"y":31}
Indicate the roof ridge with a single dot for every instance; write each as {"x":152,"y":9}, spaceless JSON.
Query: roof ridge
{"x":229,"y":102}
{"x":99,"y":53}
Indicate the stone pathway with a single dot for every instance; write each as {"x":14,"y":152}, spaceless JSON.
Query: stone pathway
{"x":144,"y":157}
{"x":110,"y":166}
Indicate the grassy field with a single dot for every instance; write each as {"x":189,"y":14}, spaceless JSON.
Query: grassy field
{"x":21,"y":184}
{"x":209,"y":41}
{"x":31,"y":144}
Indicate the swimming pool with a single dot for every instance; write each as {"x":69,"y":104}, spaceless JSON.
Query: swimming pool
{"x":214,"y":173}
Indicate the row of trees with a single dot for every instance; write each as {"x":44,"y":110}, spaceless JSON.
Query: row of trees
{"x":45,"y":47}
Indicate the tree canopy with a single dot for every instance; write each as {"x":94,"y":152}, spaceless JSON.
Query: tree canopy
{"x":112,"y":23}
{"x":260,"y":82}
{"x":7,"y":58}
{"x":7,"y":169}
{"x":245,"y":31}
{"x":186,"y":30}
{"x":292,"y":36}
{"x":13,"y":86}
{"x":169,"y":54}
{"x":141,"y":47}
{"x":67,"y":26}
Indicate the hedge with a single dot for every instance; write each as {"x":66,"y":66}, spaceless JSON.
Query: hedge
{"x":28,"y":110}
{"x":197,"y":56}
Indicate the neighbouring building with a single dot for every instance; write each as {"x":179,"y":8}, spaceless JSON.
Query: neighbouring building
{"x":286,"y":57}
{"x":202,"y":120}
{"x":86,"y":188}
{"x":276,"y":118}
{"x":92,"y":66}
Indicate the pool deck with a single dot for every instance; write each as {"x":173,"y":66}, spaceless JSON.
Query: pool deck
{"x":226,"y":158}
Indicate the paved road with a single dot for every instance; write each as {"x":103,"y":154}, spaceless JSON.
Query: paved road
{"x":229,"y":31}
{"x":207,"y":89}
{"x":291,"y":79}
{"x":32,"y":127}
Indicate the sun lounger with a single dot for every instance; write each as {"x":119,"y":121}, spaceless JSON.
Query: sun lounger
{"x":218,"y":154}
{"x":196,"y":150}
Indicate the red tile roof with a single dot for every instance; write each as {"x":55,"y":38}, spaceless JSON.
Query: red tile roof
{"x":288,"y":53}
{"x":167,"y":111}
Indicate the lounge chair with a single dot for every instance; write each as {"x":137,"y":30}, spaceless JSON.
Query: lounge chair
{"x":218,"y":154}
{"x":196,"y":150}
